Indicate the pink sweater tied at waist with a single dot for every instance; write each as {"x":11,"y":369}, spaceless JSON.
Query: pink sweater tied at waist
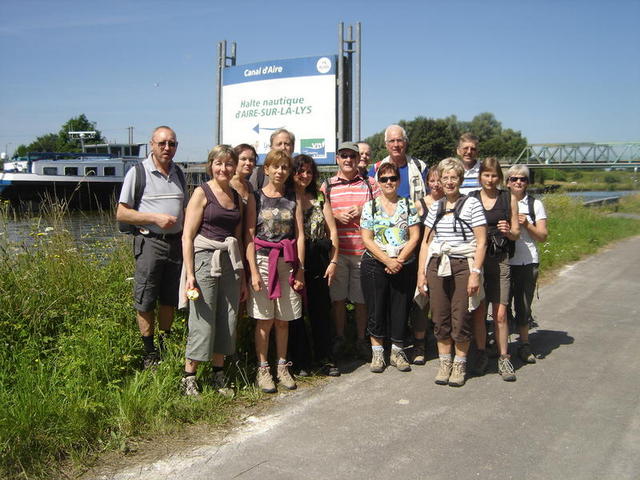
{"x":289,"y":250}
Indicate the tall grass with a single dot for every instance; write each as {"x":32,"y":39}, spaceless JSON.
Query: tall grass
{"x":70,"y":376}
{"x":575,"y":231}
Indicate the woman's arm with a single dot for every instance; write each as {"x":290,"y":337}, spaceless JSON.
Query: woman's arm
{"x":412,"y":243}
{"x":480,"y":234}
{"x":330,"y":225}
{"x":537,"y":232}
{"x":392,"y":264}
{"x":298,"y":284}
{"x":239,"y":236}
{"x":192,"y":222}
{"x":250,"y":246}
{"x":422,"y":260}
{"x":514,"y":225}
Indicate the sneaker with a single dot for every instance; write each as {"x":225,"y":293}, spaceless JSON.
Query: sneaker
{"x":481,"y":362}
{"x":189,"y":386}
{"x":303,"y":372}
{"x":492,"y":348}
{"x":284,"y":377}
{"x":458,"y":372}
{"x":220,"y":384}
{"x":419,"y":353}
{"x":525,"y":354}
{"x":264,"y":380}
{"x":330,"y":369}
{"x":151,"y":360}
{"x":363,"y":349}
{"x":444,"y":372}
{"x":505,"y":368}
{"x":377,"y":361}
{"x":399,"y":360}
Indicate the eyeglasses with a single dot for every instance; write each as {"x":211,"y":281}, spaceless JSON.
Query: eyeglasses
{"x":347,"y":155}
{"x":393,"y":178}
{"x":518,"y":179}
{"x":167,"y":142}
{"x":395,"y":140}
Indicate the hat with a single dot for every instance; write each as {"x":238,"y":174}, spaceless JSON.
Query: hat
{"x":349,"y":146}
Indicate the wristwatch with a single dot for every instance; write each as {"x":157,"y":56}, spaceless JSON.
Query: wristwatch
{"x":476,"y":270}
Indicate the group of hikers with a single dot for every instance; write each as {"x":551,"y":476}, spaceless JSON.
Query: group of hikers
{"x":412,"y":249}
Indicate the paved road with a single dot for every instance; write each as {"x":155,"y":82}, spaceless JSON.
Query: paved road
{"x":573,"y":415}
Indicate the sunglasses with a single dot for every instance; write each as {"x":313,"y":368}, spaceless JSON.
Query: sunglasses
{"x":347,"y":155}
{"x":518,"y":179}
{"x":167,"y":142}
{"x":393,"y":178}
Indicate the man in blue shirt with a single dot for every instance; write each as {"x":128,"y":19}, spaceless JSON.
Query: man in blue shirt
{"x":413,"y":172}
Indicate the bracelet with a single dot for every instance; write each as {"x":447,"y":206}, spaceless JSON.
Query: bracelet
{"x":476,"y":270}
{"x":334,"y":262}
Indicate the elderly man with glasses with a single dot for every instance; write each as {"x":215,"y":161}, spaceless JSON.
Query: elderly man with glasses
{"x":153,"y":204}
{"x":348,"y":191}
{"x":413,"y":172}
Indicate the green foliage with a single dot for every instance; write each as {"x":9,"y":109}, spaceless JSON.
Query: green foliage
{"x":60,"y":142}
{"x":70,"y":364}
{"x":576,"y":231}
{"x":434,"y":139}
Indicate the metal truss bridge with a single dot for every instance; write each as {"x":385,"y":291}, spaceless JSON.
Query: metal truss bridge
{"x":580,"y":155}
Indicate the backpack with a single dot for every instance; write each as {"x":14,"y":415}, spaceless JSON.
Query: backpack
{"x":138,"y":190}
{"x":498,"y":244}
{"x":457,"y":208}
{"x":532,"y":212}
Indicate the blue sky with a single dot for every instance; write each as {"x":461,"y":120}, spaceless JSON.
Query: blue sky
{"x":558,"y":71}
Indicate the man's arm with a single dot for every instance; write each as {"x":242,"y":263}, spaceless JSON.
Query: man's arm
{"x":126,"y":214}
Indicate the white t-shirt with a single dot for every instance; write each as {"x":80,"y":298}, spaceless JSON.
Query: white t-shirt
{"x":472,"y":213}
{"x":526,"y":251}
{"x":471,"y":180}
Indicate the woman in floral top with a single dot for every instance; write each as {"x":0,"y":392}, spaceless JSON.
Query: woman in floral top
{"x":321,"y":247}
{"x":390,"y":231}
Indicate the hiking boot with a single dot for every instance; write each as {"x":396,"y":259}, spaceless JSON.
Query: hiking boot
{"x":284,"y":377}
{"x":264,"y":380}
{"x":363,"y":349}
{"x":481,"y":362}
{"x":444,"y":372}
{"x":189,"y":386}
{"x":525,"y":354}
{"x":418,"y":352}
{"x":458,"y":372}
{"x":377,"y":361}
{"x":151,"y":360}
{"x":399,"y":360}
{"x":505,"y":368}
{"x":220,"y":384}
{"x":330,"y":369}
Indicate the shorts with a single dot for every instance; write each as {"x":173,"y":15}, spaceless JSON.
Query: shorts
{"x":288,"y":307}
{"x":346,"y":282}
{"x":497,"y":279}
{"x":157,"y":277}
{"x":213,"y":316}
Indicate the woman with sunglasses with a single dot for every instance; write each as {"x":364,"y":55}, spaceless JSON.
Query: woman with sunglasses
{"x":451,"y":257}
{"x":390,"y":231}
{"x":501,"y":211}
{"x":321,"y":259}
{"x":247,"y":158}
{"x":419,"y":314}
{"x":524,"y":263}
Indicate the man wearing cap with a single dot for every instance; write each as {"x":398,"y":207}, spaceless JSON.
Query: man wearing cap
{"x":413,"y":172}
{"x":157,"y":244}
{"x":347,"y":192}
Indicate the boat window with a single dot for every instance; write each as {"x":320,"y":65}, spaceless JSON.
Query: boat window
{"x":91,"y":171}
{"x":109,"y":171}
{"x":71,"y":171}
{"x":50,"y":171}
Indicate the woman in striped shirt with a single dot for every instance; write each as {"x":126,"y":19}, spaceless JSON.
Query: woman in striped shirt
{"x":451,"y":257}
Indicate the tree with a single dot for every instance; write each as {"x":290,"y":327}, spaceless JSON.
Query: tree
{"x":77,"y":124}
{"x":45,"y":143}
{"x":434,"y":139}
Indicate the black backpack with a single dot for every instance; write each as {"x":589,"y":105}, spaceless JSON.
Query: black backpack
{"x":532,"y":212}
{"x":457,"y":208}
{"x":138,"y":190}
{"x":498,"y":244}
